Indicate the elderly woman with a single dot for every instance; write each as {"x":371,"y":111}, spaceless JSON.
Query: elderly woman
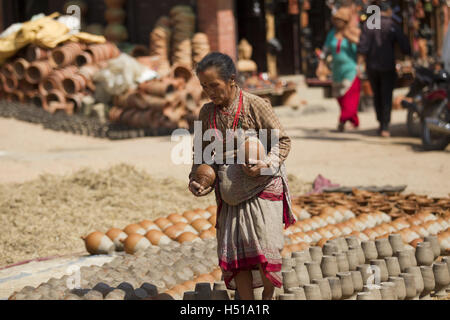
{"x":251,"y":205}
{"x":341,"y":44}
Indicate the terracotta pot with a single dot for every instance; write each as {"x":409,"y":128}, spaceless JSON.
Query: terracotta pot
{"x":83,"y":58}
{"x":55,"y":106}
{"x":56,"y":95}
{"x":157,"y":88}
{"x":205,"y":175}
{"x":74,"y":84}
{"x":115,"y":114}
{"x":20,"y":66}
{"x":18,"y":96}
{"x":37,"y":71}
{"x":11,"y":84}
{"x":66,"y":54}
{"x":34,"y":53}
{"x":77,"y":100}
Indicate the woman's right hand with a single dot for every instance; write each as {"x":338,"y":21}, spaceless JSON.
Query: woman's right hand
{"x":197,"y":190}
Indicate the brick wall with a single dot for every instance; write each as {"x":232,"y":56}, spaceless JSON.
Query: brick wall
{"x":216,"y":19}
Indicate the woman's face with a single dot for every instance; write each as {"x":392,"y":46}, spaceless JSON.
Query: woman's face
{"x":217,"y":89}
{"x":339,"y":23}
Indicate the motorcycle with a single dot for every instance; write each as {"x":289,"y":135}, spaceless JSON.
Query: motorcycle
{"x":427,"y":104}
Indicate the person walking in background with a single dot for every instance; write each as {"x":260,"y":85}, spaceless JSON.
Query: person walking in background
{"x":376,"y":47}
{"x":341,"y":43}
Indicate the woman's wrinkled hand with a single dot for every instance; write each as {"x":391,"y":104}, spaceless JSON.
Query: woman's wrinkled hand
{"x":254,"y":170}
{"x":197,"y":190}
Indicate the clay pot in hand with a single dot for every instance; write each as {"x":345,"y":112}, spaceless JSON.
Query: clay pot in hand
{"x":441,"y":277}
{"x":399,"y":287}
{"x":252,"y":149}
{"x":98,"y":243}
{"x":428,"y":282}
{"x":205,"y":175}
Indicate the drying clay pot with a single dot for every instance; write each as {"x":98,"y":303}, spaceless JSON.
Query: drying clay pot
{"x":134,"y":228}
{"x":428,"y":282}
{"x":383,"y":271}
{"x":135,"y":242}
{"x":314,"y":270}
{"x":384,"y":248}
{"x":98,"y":243}
{"x":312,"y":292}
{"x":302,"y":274}
{"x":290,"y":279}
{"x":441,"y":277}
{"x":342,"y":262}
{"x":325,"y":289}
{"x":346,"y":284}
{"x":424,"y":254}
{"x":298,"y":292}
{"x":329,"y":266}
{"x":434,"y":245}
{"x":357,"y":281}
{"x":370,"y":250}
{"x":400,"y":287}
{"x":393,"y":266}
{"x":410,"y":285}
{"x":116,"y":235}
{"x":335,"y":286}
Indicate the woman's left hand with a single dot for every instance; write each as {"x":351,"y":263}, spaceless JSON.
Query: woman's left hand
{"x":254,"y":170}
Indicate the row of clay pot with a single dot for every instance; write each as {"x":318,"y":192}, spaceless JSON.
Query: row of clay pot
{"x":366,"y":227}
{"x":191,"y":226}
{"x":347,"y":262}
{"x":362,"y":201}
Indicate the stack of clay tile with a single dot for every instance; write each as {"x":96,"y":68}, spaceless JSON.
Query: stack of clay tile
{"x":183,"y":25}
{"x":170,"y":102}
{"x":55,"y":79}
{"x":200,"y":47}
{"x":160,"y":45}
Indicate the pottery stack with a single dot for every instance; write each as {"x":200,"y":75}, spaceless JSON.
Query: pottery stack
{"x":160,"y":45}
{"x":115,"y":15}
{"x":57,"y":79}
{"x":182,"y":19}
{"x":171,"y":102}
{"x":200,"y":47}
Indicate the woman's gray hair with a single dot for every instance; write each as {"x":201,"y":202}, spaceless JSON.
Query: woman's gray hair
{"x":223,"y":63}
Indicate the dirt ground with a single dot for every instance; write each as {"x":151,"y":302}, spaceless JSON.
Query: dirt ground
{"x":349,"y":158}
{"x":123,"y":182}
